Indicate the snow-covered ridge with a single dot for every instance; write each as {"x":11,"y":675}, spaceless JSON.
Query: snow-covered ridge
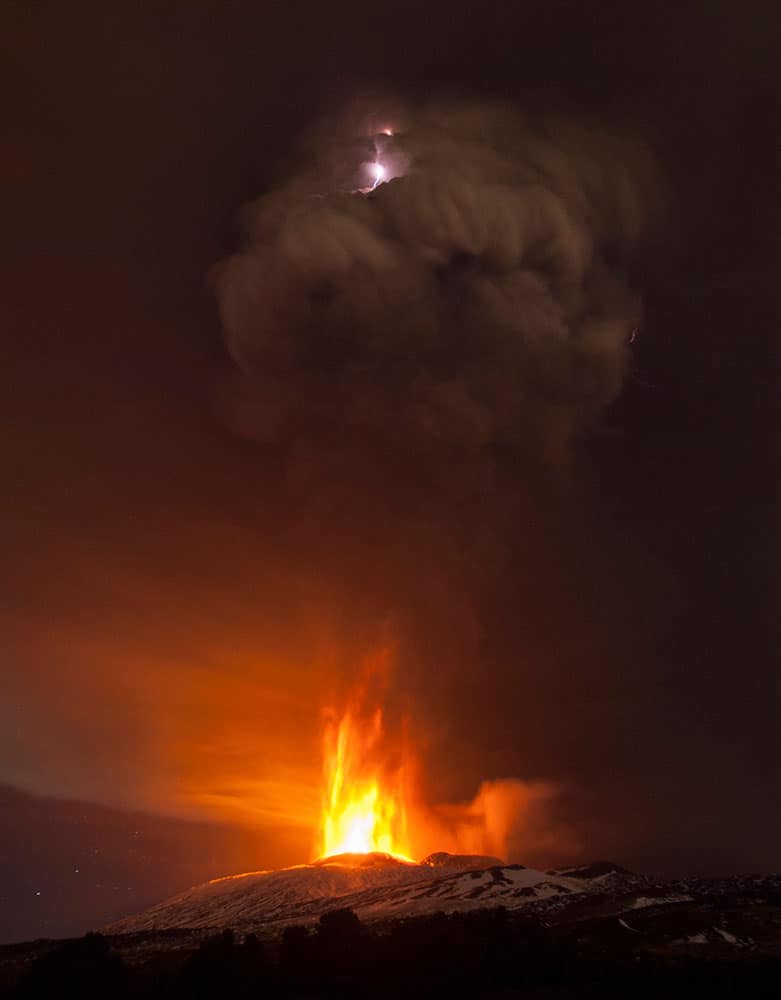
{"x":375,"y":886}
{"x":601,"y":896}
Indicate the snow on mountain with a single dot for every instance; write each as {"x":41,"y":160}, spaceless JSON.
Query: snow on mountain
{"x":596,"y":870}
{"x":270,"y":896}
{"x":380,"y":888}
{"x":601,"y":906}
{"x":376,"y":886}
{"x":509,"y":886}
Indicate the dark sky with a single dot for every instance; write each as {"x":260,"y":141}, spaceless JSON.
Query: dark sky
{"x":165,"y":615}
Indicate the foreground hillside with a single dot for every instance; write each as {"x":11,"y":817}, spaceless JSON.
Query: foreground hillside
{"x":376,"y":926}
{"x":722,"y":943}
{"x":734,"y":915}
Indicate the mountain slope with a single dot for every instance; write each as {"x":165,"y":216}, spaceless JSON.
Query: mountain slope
{"x":375,"y":886}
{"x":601,"y":906}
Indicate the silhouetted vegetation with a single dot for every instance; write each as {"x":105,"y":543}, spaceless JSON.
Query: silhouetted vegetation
{"x":83,"y":968}
{"x":476,"y":954}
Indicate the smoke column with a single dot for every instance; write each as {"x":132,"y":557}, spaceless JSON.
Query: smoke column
{"x":422,"y":352}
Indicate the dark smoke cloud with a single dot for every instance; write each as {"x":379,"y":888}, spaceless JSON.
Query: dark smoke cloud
{"x":475,"y":304}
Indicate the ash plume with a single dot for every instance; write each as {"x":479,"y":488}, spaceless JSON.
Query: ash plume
{"x":419,"y":356}
{"x":473,"y":304}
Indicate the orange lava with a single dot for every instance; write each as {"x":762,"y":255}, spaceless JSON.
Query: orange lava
{"x":364,"y":807}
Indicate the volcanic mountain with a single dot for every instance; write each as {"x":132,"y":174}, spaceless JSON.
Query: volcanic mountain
{"x":376,"y":886}
{"x":601,"y":906}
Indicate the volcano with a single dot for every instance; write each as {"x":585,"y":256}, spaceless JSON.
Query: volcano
{"x":601,"y":907}
{"x":376,"y":886}
{"x":366,"y":868}
{"x":414,"y":918}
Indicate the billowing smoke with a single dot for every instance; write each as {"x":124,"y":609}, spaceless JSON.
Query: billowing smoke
{"x":419,"y":352}
{"x":473,"y":303}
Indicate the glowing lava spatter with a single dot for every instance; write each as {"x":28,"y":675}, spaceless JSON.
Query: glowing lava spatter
{"x":364,"y":808}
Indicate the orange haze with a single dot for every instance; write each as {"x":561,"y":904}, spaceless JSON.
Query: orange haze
{"x":371,"y":798}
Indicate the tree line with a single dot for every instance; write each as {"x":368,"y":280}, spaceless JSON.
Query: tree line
{"x":478,"y":954}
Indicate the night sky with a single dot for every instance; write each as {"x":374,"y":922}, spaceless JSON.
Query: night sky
{"x":182,"y":593}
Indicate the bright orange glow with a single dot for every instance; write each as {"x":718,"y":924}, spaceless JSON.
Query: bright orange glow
{"x":364,"y":807}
